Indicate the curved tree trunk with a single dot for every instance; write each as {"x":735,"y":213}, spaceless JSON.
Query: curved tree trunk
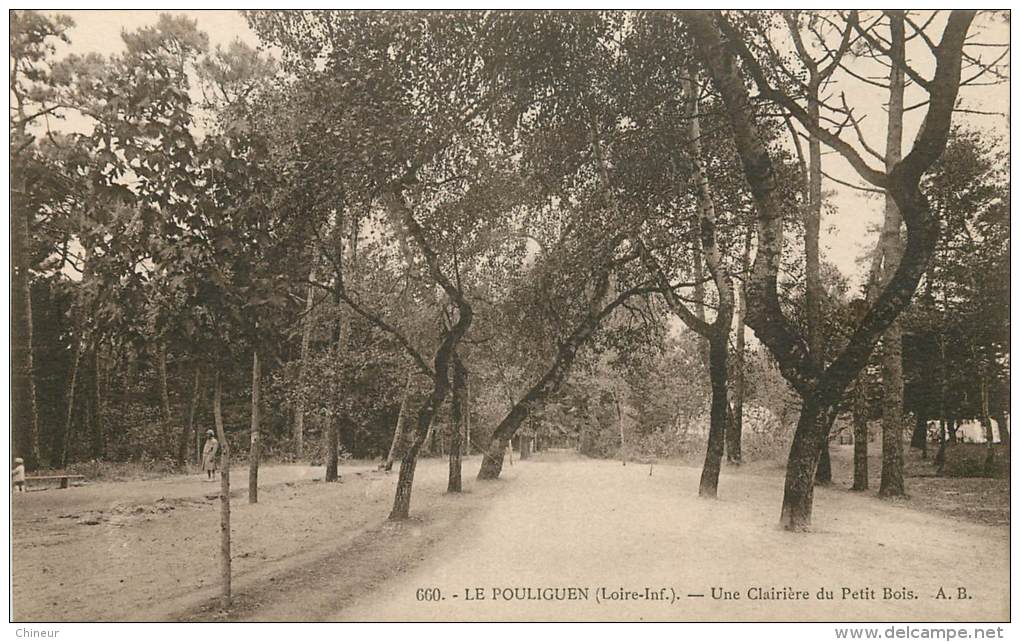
{"x":821,"y":388}
{"x":447,"y":349}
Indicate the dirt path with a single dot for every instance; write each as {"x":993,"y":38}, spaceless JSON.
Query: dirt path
{"x":316,"y":551}
{"x":145,"y":550}
{"x":592,"y":524}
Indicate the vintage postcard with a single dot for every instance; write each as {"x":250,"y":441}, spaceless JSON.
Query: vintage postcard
{"x":511,"y":316}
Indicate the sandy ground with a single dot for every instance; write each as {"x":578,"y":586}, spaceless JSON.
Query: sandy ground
{"x":147,"y":550}
{"x":599,"y":525}
{"x":316,"y":551}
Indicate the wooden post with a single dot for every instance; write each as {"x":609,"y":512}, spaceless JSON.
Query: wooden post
{"x":224,"y":495}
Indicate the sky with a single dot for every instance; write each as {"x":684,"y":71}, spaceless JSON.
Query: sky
{"x":848,"y":232}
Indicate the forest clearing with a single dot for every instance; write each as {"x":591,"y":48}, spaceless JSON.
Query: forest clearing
{"x":158,"y":549}
{"x":496,"y":314}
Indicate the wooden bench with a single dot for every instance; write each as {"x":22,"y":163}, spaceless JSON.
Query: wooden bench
{"x":65,"y":480}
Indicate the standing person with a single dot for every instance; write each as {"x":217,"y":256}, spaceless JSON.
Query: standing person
{"x":18,"y":475}
{"x":209,"y":453}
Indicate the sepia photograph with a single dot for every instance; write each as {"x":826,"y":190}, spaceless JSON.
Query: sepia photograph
{"x":583,"y":315}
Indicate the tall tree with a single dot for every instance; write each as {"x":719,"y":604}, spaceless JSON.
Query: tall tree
{"x":822,"y":388}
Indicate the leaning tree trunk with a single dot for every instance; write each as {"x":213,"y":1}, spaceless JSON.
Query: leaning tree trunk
{"x":224,"y":493}
{"x":494,"y":454}
{"x":398,"y":431}
{"x":255,"y":454}
{"x":454,"y":484}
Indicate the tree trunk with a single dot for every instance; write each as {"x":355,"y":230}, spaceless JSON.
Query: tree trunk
{"x":25,"y":417}
{"x":454,"y":484}
{"x":718,"y":334}
{"x":821,"y":390}
{"x":919,"y":438}
{"x":164,"y":392}
{"x":256,"y":442}
{"x":72,"y":385}
{"x":549,"y":383}
{"x":812,"y":263}
{"x":860,"y":419}
{"x":224,"y":493}
{"x":398,"y":431}
{"x":735,"y":430}
{"x":189,"y":427}
{"x":892,"y":484}
{"x":333,"y":428}
{"x":986,"y":422}
{"x":892,"y":250}
{"x":718,"y":353}
{"x":405,"y":479}
{"x":823,"y":473}
{"x":441,"y":364}
{"x":98,"y":445}
{"x":306,"y":338}
{"x":812,"y":431}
